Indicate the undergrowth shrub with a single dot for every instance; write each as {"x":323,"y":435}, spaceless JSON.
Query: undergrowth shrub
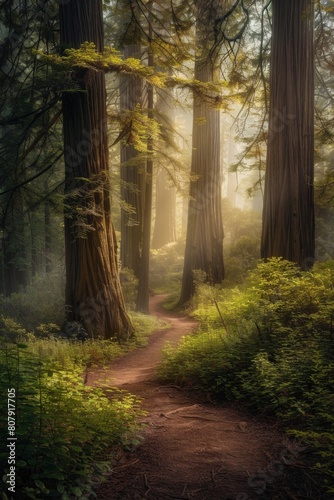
{"x":42,"y":302}
{"x":242,"y":230}
{"x":94,"y":352}
{"x":129,"y":286}
{"x":66,"y":432}
{"x":270,"y":344}
{"x":48,"y":342}
{"x":240,"y":257}
{"x":166,"y":266}
{"x":82,"y":354}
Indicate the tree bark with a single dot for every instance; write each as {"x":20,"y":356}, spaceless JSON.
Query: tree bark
{"x":47,"y":234}
{"x":142,"y":304}
{"x":15,"y":268}
{"x":132,"y":175}
{"x":165,"y":198}
{"x":93,"y":293}
{"x":164,"y":226}
{"x":204,"y":241}
{"x":288,"y":213}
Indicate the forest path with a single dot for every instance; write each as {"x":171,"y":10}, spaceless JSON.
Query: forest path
{"x":192,"y":448}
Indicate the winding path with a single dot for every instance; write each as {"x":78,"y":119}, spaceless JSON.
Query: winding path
{"x":192,"y":448}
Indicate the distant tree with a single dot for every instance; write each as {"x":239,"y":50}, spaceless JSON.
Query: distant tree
{"x":132,"y":94}
{"x":142,"y":303}
{"x":165,"y":199}
{"x":29,"y":111}
{"x":204,"y":241}
{"x":288,"y":212}
{"x":162,"y":44}
{"x":93,"y":293}
{"x":144,"y":36}
{"x":132,"y":172}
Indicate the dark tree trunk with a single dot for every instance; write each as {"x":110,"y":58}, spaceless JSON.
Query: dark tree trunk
{"x":142,"y":304}
{"x":132,"y":175}
{"x":47,"y":235}
{"x":288,"y":213}
{"x":33,"y":243}
{"x":93,"y":293}
{"x":204,"y":242}
{"x":15,"y":269}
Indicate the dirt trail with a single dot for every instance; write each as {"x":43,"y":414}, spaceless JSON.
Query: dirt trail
{"x":192,"y":448}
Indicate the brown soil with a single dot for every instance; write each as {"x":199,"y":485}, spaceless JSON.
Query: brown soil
{"x":192,"y":449}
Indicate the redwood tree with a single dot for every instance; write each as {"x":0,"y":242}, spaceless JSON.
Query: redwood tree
{"x":93,"y":293}
{"x":204,"y":242}
{"x":14,"y":253}
{"x":165,"y":195}
{"x":288,"y":213}
{"x":142,"y":303}
{"x":132,"y":96}
{"x":132,"y":172}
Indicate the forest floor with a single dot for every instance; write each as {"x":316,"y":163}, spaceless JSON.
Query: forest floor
{"x":192,"y":448}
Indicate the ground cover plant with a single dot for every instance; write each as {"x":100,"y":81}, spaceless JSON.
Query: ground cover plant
{"x":268,"y":343}
{"x":36,"y":317}
{"x":40,"y":302}
{"x":67,"y":433}
{"x":166,"y":268}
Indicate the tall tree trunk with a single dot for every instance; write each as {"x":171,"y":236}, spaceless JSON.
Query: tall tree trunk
{"x":93,"y":293}
{"x":165,"y":204}
{"x":33,"y":244}
{"x":15,"y":270}
{"x":132,"y":174}
{"x":164,"y":226}
{"x":231,"y":180}
{"x":288,"y":213}
{"x":142,"y":304}
{"x":47,"y":236}
{"x":204,"y":241}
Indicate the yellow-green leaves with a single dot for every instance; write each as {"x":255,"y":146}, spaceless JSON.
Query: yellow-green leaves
{"x":208,"y":91}
{"x":137,"y":128}
{"x":87,"y":57}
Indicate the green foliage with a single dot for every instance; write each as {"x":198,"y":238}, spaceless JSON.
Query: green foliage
{"x":241,"y":257}
{"x":129,"y":286}
{"x":82,"y":354}
{"x":242,"y":242}
{"x":137,"y":128}
{"x":111,"y":60}
{"x":66,"y":432}
{"x":41,"y":303}
{"x":144,"y":325}
{"x":11,"y":331}
{"x":166,"y":268}
{"x":47,"y":343}
{"x":269,"y":344}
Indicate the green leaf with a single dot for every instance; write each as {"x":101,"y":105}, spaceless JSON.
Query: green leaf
{"x":21,"y":463}
{"x":39,"y":484}
{"x":60,"y":488}
{"x":77,"y":491}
